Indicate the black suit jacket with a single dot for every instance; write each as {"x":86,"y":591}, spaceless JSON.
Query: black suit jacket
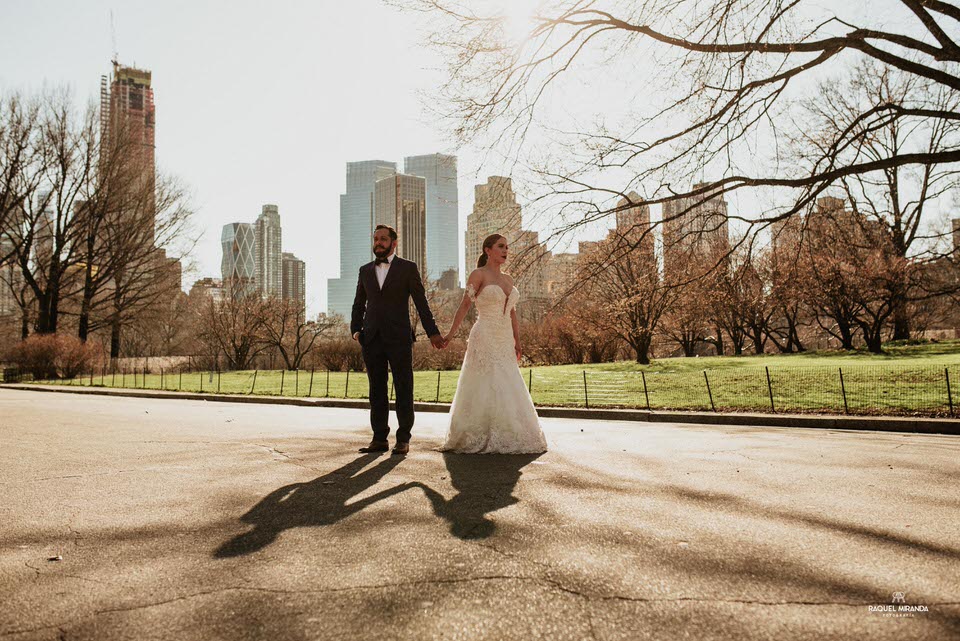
{"x":384,"y":311}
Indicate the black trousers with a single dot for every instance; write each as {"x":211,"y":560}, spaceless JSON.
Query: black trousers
{"x":376,"y":356}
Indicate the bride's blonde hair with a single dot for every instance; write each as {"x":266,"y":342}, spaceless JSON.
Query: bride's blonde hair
{"x":488,"y":243}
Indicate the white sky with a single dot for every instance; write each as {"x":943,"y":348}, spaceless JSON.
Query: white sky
{"x":256,"y":102}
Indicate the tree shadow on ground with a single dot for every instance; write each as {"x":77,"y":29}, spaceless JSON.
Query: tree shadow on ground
{"x":484,"y":484}
{"x":322,"y":501}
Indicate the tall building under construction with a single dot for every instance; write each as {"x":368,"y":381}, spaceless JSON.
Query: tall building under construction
{"x":128,"y":119}
{"x":128,"y":95}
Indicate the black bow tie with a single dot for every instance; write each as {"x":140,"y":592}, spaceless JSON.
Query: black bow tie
{"x":381,"y":260}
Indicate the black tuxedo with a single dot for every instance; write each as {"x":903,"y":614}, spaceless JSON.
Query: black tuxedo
{"x":382,"y":318}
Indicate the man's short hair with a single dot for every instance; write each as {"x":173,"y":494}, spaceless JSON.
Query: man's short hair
{"x":391,"y":230}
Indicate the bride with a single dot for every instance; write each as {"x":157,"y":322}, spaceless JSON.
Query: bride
{"x":492,"y":411}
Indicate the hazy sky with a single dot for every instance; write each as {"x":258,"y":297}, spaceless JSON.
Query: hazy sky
{"x":256,"y":102}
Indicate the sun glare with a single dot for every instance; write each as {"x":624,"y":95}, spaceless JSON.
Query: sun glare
{"x":518,"y":18}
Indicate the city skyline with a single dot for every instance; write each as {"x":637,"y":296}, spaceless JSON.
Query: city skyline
{"x":252,"y":140}
{"x":253,"y":260}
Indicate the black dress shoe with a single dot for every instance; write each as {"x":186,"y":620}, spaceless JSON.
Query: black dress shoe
{"x":376,"y":446}
{"x":401,"y":449}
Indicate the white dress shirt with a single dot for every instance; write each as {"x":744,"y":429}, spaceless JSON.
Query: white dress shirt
{"x":382,"y":269}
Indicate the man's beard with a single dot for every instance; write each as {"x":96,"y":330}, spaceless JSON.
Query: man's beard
{"x":380,"y":252}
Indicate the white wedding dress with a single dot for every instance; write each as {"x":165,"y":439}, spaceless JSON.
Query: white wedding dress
{"x":492,"y":412}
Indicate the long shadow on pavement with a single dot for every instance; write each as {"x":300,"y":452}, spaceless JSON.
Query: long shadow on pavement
{"x":322,"y":501}
{"x":484,"y":484}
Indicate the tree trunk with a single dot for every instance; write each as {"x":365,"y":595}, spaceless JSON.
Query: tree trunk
{"x":49,"y":303}
{"x":846,"y":335}
{"x":901,"y":319}
{"x":793,"y":335}
{"x":44,"y":324}
{"x":689,"y":345}
{"x":85,"y":303}
{"x":642,"y":348}
{"x":115,"y":336}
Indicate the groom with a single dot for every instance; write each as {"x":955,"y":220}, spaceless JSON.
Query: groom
{"x":381,"y":324}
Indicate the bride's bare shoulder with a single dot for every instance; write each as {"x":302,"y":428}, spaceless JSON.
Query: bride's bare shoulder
{"x":475,"y":283}
{"x":477,"y":278}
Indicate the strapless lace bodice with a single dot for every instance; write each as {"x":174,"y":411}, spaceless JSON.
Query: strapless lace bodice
{"x":493,"y":304}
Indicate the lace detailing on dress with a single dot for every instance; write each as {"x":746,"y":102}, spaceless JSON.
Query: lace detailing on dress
{"x":472,"y":292}
{"x":492,"y":411}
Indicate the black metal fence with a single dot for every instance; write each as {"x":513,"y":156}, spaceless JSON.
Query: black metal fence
{"x":879,"y":389}
{"x":926,"y":390}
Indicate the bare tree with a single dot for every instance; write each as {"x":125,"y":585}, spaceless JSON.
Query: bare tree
{"x":143,"y":274}
{"x":789,"y":312}
{"x":730,"y":303}
{"x":626,"y":298}
{"x":83,"y":214}
{"x":234,"y":328}
{"x":46,"y":235}
{"x":21,"y":166}
{"x":163,"y":329}
{"x":729,"y":69}
{"x":287,"y":329}
{"x":893,"y":203}
{"x":831,"y":253}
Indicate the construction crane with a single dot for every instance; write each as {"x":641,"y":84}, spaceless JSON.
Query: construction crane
{"x":113,"y":42}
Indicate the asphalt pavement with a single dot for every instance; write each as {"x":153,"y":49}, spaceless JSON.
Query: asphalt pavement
{"x":131,"y":518}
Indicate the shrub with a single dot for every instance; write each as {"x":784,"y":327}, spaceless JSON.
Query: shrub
{"x":75,"y":357}
{"x":48,"y":356}
{"x":339,"y":354}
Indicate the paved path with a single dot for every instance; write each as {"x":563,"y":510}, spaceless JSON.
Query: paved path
{"x":195,"y":520}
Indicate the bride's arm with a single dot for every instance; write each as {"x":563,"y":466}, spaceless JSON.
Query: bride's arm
{"x":473,"y":286}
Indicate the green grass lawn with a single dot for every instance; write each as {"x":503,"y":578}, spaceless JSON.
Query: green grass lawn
{"x":904,"y":380}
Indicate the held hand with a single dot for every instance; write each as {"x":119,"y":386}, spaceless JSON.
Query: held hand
{"x":437,"y":341}
{"x":356,"y":336}
{"x":447,"y":339}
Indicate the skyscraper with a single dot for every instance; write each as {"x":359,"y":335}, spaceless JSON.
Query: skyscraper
{"x":237,"y":266}
{"x":443,"y":221}
{"x":356,"y":230}
{"x":633,"y":227}
{"x":128,"y":118}
{"x":400,"y":201}
{"x":495,"y":210}
{"x":294,"y":279}
{"x":267,"y":252}
{"x":694,"y":228}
